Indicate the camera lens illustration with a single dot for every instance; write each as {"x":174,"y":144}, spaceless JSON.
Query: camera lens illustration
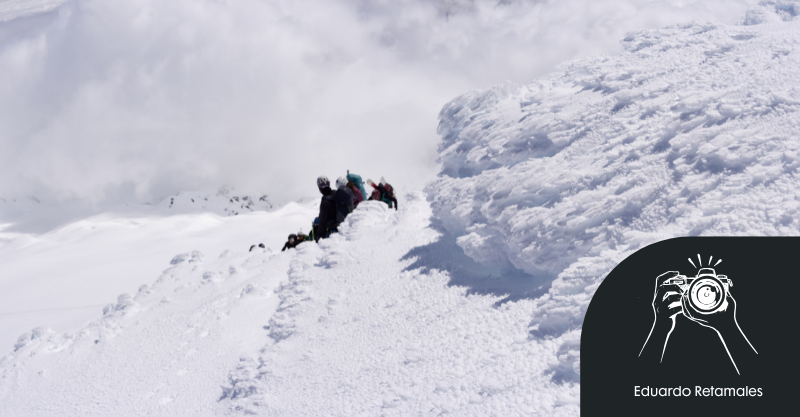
{"x":705,"y":293}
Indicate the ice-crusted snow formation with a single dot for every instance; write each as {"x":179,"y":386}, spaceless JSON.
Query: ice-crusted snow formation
{"x":349,"y":327}
{"x":772,"y":11}
{"x":692,"y":131}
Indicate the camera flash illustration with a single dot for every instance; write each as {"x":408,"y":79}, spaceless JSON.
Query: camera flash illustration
{"x":700,"y":261}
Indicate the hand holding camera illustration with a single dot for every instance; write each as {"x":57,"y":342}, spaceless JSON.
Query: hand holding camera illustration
{"x":704,"y":299}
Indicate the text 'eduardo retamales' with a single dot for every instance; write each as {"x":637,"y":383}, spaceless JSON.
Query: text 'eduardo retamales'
{"x":698,"y":392}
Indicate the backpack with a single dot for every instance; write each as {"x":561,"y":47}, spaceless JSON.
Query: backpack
{"x":386,"y":194}
{"x":343,"y":204}
{"x":357,"y":197}
{"x":387,"y":188}
{"x":376,"y":195}
{"x":356,"y":179}
{"x":334,"y":216}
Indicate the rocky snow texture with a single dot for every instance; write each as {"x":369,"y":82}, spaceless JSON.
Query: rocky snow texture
{"x":350,"y":327}
{"x":29,"y":214}
{"x":223,"y":203}
{"x":694,"y":130}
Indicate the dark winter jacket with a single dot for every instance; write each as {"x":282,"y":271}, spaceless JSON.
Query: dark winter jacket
{"x":300,"y":239}
{"x":327,"y":215}
{"x":351,"y":201}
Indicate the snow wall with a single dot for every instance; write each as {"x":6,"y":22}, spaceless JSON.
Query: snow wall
{"x":692,"y":131}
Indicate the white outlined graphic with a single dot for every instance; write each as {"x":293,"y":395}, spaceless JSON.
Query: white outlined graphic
{"x":704,"y":299}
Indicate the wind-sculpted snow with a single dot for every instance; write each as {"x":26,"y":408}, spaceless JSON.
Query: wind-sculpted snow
{"x":692,"y":131}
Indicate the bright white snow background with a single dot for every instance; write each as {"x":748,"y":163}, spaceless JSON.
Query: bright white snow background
{"x":466,"y":301}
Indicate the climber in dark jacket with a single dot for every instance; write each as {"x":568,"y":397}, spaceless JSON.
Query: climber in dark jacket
{"x":348,"y":201}
{"x":291,"y":242}
{"x":327,"y":207}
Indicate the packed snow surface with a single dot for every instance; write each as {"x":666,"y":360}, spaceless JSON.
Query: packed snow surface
{"x":352,"y":326}
{"x":692,"y":131}
{"x":62,"y":278}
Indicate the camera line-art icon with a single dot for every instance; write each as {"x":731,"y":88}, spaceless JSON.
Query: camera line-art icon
{"x":705,"y":293}
{"x":704,"y":299}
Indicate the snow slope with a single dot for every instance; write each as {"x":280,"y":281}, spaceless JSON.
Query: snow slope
{"x":692,"y":131}
{"x":159,"y":352}
{"x":352,"y":326}
{"x":62,"y":278}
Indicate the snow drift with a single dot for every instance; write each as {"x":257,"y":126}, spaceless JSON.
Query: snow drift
{"x":692,"y":131}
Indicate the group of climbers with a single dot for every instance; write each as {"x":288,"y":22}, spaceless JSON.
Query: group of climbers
{"x":383,"y":192}
{"x":337,"y":204}
{"x":295,"y":240}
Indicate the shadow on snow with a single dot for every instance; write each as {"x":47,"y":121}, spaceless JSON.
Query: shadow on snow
{"x":507,"y":282}
{"x":445,"y":255}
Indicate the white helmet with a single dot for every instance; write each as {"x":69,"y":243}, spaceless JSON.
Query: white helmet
{"x":341,"y":182}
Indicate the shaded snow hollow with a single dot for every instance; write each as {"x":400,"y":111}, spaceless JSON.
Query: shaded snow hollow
{"x":692,"y":131}
{"x":352,"y":326}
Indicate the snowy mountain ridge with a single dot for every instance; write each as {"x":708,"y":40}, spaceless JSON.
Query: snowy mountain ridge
{"x":32,"y":214}
{"x":352,"y":326}
{"x":222,"y":203}
{"x":692,"y":131}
